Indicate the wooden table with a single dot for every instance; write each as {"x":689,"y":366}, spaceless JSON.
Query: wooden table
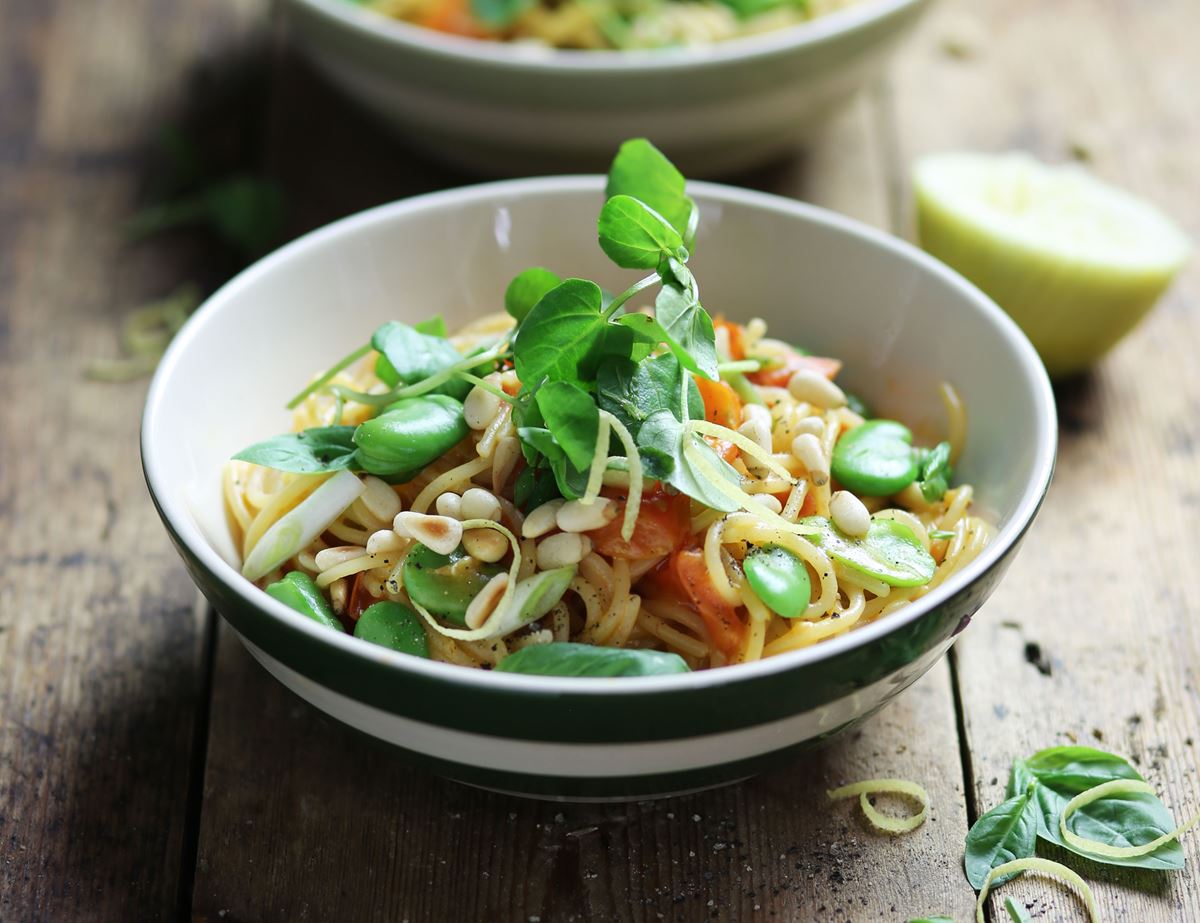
{"x":148,"y":769}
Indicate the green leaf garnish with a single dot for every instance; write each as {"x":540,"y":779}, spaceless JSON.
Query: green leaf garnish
{"x":407,"y":356}
{"x":526,"y":289}
{"x":640,"y":170}
{"x":565,"y":658}
{"x":312,"y":451}
{"x":635,"y":236}
{"x":559,"y":332}
{"x":661,"y":441}
{"x":935,"y":474}
{"x":571,"y":415}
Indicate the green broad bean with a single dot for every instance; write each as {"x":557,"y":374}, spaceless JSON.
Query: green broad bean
{"x":780,"y":579}
{"x":445,"y":584}
{"x":299,"y":591}
{"x":393,"y":625}
{"x":875,"y":459}
{"x":890,"y":552}
{"x":565,"y":658}
{"x":409,"y":435}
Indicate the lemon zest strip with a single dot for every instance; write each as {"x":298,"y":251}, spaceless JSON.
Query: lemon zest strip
{"x":1046,"y":867}
{"x":1116,"y":787}
{"x":886,"y":787}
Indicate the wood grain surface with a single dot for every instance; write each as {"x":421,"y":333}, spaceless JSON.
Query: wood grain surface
{"x":148,"y":773}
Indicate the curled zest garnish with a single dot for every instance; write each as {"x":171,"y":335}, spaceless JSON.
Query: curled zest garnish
{"x":488,"y":628}
{"x":880,"y":821}
{"x":1115,"y":787}
{"x":1046,"y":867}
{"x":633,"y":504}
{"x":736,"y":495}
{"x":599,"y":463}
{"x":747,"y":445}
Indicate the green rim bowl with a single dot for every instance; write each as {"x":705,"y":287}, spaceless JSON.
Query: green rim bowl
{"x":901,"y":321}
{"x":506,"y":109}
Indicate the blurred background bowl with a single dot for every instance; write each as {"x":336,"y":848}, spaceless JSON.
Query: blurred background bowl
{"x":509,"y":109}
{"x":902,"y":322}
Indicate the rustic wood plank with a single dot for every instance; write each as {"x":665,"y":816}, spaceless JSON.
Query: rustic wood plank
{"x":1093,"y":637}
{"x":102,"y":659}
{"x":304,"y":818}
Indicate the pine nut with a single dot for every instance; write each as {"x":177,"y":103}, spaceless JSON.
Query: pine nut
{"x":756,"y":329}
{"x":504,"y":461}
{"x":575,"y":516}
{"x":437,"y":533}
{"x":849,"y":514}
{"x":384,"y":540}
{"x":541,"y":520}
{"x":770,"y":501}
{"x":807,"y":449}
{"x":339,"y":590}
{"x":814,"y":425}
{"x":562,"y":549}
{"x":379,"y":499}
{"x":485,"y":601}
{"x":485,"y":545}
{"x":339,"y":554}
{"x":813,"y":388}
{"x":478,"y":503}
{"x":757,"y":432}
{"x":449,"y":504}
{"x":480,"y":407}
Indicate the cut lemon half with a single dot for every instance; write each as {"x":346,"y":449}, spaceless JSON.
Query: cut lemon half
{"x":1076,"y":262}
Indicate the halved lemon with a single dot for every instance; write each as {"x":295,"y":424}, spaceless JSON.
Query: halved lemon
{"x":1076,"y":262}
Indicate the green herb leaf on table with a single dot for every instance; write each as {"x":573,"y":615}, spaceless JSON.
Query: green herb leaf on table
{"x":635,"y":236}
{"x":243,"y":211}
{"x":640,"y":170}
{"x":312,"y":451}
{"x":1006,"y":832}
{"x":559,"y":332}
{"x":526,"y":289}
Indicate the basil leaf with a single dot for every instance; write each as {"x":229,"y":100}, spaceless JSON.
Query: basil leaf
{"x":527,"y":289}
{"x":1017,"y":912}
{"x":564,"y":658}
{"x":890,"y":551}
{"x":1071,"y":770}
{"x":640,"y":170}
{"x":634,"y":391}
{"x":1006,"y":832}
{"x":311,"y":451}
{"x":407,"y":355}
{"x":677,"y":309}
{"x":570,"y":414}
{"x":661,"y":441}
{"x":499,"y":13}
{"x":1019,"y":778}
{"x":559,"y":332}
{"x":935,"y":474}
{"x":634,"y":235}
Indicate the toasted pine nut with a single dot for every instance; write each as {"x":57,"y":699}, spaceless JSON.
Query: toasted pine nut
{"x":339,"y":590}
{"x":849,"y":514}
{"x":339,"y":554}
{"x":485,"y":545}
{"x":576,"y":516}
{"x":449,"y":504}
{"x":770,"y":501}
{"x":807,"y":449}
{"x":478,"y":503}
{"x":437,"y":533}
{"x":384,"y":540}
{"x":562,"y":549}
{"x":541,"y":520}
{"x":379,"y":499}
{"x":813,"y":388}
{"x":479,"y":409}
{"x":485,"y":601}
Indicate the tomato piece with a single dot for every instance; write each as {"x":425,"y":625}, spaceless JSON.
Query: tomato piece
{"x":453,"y":17}
{"x":721,"y":403}
{"x":779,"y":376}
{"x":663,"y":525}
{"x":737,"y":340}
{"x":359,"y":599}
{"x":692,"y":583}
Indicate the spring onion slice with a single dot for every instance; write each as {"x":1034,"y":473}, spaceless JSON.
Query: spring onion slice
{"x":296,"y":528}
{"x":747,"y":445}
{"x":1046,"y":867}
{"x":1095,"y":848}
{"x":880,"y":821}
{"x":633,"y":504}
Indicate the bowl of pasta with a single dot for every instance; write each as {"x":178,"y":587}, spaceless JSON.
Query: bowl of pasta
{"x":519,"y":87}
{"x":610,"y":507}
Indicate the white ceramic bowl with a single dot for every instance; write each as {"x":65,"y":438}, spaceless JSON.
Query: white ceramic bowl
{"x":514,"y":109}
{"x":901,"y":321}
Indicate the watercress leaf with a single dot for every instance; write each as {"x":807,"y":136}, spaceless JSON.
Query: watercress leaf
{"x":633,"y":392}
{"x":498,"y":13}
{"x":311,"y":451}
{"x":559,"y":332}
{"x":571,"y":481}
{"x":534,"y":486}
{"x":664,"y":434}
{"x":408,"y":355}
{"x":647,"y":329}
{"x":565,"y":658}
{"x":890,"y":551}
{"x":570,"y":414}
{"x":1017,"y":912}
{"x":433,"y":326}
{"x":1006,"y":832}
{"x":640,"y":170}
{"x":935,"y":473}
{"x":527,"y":289}
{"x":677,"y":309}
{"x":634,"y":235}
{"x":542,"y":442}
{"x":615,"y":342}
